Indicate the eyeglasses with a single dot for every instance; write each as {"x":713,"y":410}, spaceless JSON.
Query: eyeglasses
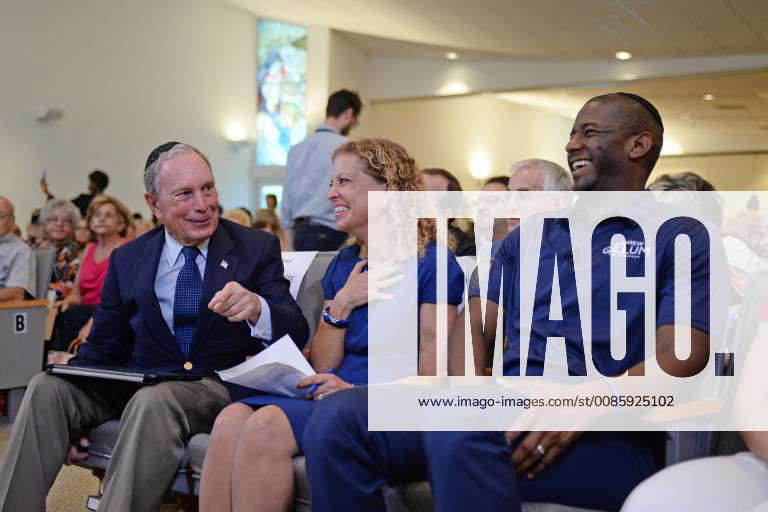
{"x":59,"y":220}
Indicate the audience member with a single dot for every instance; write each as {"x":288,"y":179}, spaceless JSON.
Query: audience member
{"x":440,"y":180}
{"x":239,"y":216}
{"x":496,"y":184}
{"x":526,"y":175}
{"x":306,"y":216}
{"x":97,"y":184}
{"x":108,"y":220}
{"x":58,"y":219}
{"x":537,"y":174}
{"x":267,"y":220}
{"x":33,"y":230}
{"x":271,"y":202}
{"x":735,"y":482}
{"x":249,"y":457}
{"x":615,"y":142}
{"x":83,"y":235}
{"x":17,"y":263}
{"x":141,"y":226}
{"x":151,"y":318}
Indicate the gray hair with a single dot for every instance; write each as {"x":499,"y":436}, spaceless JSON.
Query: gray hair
{"x":687,"y":184}
{"x":554,"y":177}
{"x":150,"y":173}
{"x":59,"y":204}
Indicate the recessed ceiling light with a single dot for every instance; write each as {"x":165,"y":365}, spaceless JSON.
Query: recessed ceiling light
{"x":708,"y":97}
{"x":623,"y":55}
{"x":451,"y":56}
{"x":671,"y":147}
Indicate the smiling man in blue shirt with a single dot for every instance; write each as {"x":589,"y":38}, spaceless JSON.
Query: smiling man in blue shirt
{"x":615,"y":142}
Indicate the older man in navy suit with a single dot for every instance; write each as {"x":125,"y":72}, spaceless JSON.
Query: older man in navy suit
{"x":193,"y":296}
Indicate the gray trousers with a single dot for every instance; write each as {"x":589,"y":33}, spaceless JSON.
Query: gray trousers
{"x":155,"y":424}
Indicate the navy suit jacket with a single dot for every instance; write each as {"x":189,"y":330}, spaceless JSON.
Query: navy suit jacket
{"x":129,"y":329}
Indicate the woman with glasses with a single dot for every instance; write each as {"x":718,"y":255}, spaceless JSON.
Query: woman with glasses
{"x":108,"y":221}
{"x":58,"y":220}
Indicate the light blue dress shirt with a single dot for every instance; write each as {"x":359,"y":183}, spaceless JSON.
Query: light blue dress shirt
{"x":168,"y":268}
{"x":307,"y":175}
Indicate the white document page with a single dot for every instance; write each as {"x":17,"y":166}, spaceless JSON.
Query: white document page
{"x":276,"y":370}
{"x":295,"y":265}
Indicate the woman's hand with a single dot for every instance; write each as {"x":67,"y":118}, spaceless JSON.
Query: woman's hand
{"x":361,"y":283}
{"x":354,"y":293}
{"x":62,"y":305}
{"x":327,"y":384}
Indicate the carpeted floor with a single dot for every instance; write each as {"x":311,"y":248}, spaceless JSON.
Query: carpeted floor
{"x":72,"y":487}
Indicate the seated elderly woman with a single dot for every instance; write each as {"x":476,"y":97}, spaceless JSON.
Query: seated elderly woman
{"x":58,"y":220}
{"x":108,"y":221}
{"x":249,"y":456}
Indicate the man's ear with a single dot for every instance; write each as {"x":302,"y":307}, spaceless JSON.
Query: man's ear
{"x":152,"y":203}
{"x":641,"y":144}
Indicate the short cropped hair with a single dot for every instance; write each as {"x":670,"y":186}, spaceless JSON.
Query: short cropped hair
{"x":708,"y":204}
{"x":637,"y":115}
{"x":453,"y":182}
{"x":503,"y":180}
{"x":554,"y":177}
{"x":341,"y":100}
{"x":100,"y":178}
{"x":150,"y":172}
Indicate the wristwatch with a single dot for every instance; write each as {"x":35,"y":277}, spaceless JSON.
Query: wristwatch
{"x":339,"y":323}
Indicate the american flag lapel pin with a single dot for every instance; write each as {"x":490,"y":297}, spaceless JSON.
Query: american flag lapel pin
{"x":224,"y":264}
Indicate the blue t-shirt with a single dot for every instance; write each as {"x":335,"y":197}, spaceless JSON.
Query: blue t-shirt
{"x":354,"y":366}
{"x":556,"y":246}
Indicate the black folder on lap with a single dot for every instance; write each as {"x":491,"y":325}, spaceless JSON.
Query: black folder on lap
{"x":121,"y":374}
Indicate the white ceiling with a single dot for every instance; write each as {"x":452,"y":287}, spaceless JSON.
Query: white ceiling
{"x":538,"y":29}
{"x":736,"y":120}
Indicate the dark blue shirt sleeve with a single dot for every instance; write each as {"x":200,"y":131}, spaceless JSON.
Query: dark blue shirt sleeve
{"x":428,"y":278}
{"x":502,"y":267}
{"x":700,"y":273}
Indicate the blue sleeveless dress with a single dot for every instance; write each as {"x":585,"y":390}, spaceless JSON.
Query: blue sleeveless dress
{"x":354,"y":366}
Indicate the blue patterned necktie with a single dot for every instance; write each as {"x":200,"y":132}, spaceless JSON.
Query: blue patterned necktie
{"x":186,"y":302}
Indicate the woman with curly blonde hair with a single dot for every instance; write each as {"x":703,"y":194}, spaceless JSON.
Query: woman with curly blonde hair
{"x":249,"y":456}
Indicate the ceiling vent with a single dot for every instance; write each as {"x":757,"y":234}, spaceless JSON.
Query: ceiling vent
{"x":730,"y":107}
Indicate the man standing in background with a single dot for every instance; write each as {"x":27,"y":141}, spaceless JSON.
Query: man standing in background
{"x":306,"y":214}
{"x":97,"y":184}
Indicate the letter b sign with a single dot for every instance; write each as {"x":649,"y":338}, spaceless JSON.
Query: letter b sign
{"x":19,"y":323}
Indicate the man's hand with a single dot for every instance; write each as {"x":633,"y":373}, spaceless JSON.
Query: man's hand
{"x":236,"y":303}
{"x":77,"y":453}
{"x":539,"y":450}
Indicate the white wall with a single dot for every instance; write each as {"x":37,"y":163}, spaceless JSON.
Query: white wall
{"x":129,"y":75}
{"x":447,"y":132}
{"x":349,"y":69}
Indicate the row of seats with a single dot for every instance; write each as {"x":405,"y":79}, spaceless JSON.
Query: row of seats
{"x":21,"y":340}
{"x":416,"y":497}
